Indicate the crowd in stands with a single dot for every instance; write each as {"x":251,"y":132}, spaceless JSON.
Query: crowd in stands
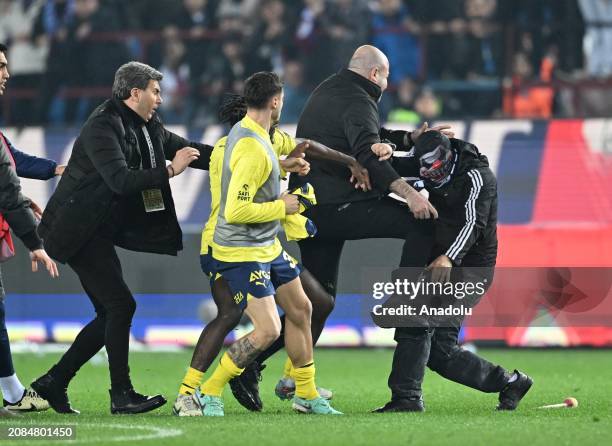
{"x":449,"y":58}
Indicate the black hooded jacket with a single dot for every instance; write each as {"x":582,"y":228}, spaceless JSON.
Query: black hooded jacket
{"x":342,"y":113}
{"x":466,"y":230}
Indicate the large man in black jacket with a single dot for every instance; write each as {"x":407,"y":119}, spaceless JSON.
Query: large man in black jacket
{"x":463,"y":189}
{"x":115,"y":191}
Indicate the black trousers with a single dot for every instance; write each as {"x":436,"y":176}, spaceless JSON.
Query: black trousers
{"x":438,"y":349}
{"x":99,"y":271}
{"x":383,"y":218}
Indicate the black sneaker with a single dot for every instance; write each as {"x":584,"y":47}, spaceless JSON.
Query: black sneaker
{"x":128,"y":401}
{"x":55,"y":393}
{"x":414,"y":404}
{"x":513,"y":393}
{"x":245,"y":387}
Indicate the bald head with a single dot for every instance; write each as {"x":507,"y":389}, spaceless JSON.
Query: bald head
{"x":371,"y":63}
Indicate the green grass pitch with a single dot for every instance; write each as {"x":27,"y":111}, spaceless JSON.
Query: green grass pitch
{"x":455,"y":415}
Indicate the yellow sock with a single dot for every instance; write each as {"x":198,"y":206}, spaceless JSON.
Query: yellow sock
{"x":305,"y":382}
{"x":225,"y":371}
{"x":288,"y":370}
{"x":191,"y":381}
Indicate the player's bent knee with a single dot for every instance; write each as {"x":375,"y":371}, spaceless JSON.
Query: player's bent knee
{"x":437,"y":362}
{"x":266,"y":337}
{"x":325,"y":307}
{"x":124,"y":309}
{"x":230,"y":315}
{"x":228,"y":321}
{"x":439,"y":358}
{"x":305,"y":307}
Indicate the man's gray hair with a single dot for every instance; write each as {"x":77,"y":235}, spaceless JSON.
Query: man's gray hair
{"x":133,"y":75}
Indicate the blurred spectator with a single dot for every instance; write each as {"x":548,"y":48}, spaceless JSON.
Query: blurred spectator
{"x":27,"y":55}
{"x":74,"y":57}
{"x":476,"y":54}
{"x":229,"y":17}
{"x":414,"y":107}
{"x":153,"y":15}
{"x":598,"y":39}
{"x":444,"y":21}
{"x":225,"y":73}
{"x":427,"y":105}
{"x":52,"y":27}
{"x":346,"y":26}
{"x":402,"y":111}
{"x":395,"y":32}
{"x":540,"y":24}
{"x":523,"y":98}
{"x":194,"y":19}
{"x":485,"y":55}
{"x":176,"y":81}
{"x":312,"y":42}
{"x":267,"y":43}
{"x":296,"y":94}
{"x":86,"y":51}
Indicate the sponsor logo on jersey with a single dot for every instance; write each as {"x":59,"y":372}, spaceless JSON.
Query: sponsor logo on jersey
{"x":259,"y":275}
{"x":238,"y":297}
{"x":243,"y":193}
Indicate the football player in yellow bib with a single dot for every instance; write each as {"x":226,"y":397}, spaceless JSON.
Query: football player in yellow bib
{"x":233,"y":110}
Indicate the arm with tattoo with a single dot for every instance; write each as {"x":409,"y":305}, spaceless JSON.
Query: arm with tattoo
{"x":418,"y":204}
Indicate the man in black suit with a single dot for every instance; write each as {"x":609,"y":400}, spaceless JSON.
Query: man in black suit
{"x":115,"y":191}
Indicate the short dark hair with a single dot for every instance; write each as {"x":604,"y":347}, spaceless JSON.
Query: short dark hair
{"x":133,"y":75}
{"x":260,"y":88}
{"x":3,"y":48}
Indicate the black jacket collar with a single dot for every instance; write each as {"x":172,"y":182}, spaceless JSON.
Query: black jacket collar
{"x":469,"y":156}
{"x":370,"y":87}
{"x":127,"y":114}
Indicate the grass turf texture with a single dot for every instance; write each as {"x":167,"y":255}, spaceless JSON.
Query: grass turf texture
{"x":455,"y":414}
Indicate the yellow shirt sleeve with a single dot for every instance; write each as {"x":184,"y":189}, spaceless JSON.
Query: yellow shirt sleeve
{"x":251,"y":167}
{"x":284,"y":143}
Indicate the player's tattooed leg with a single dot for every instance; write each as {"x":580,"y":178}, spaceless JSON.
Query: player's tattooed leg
{"x":243,"y":352}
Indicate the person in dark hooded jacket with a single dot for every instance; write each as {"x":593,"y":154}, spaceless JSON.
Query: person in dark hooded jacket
{"x":463,"y":189}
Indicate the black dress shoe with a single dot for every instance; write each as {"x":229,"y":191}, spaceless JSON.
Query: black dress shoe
{"x":513,"y":393}
{"x":127,"y":401}
{"x":55,"y":393}
{"x":402,"y":405}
